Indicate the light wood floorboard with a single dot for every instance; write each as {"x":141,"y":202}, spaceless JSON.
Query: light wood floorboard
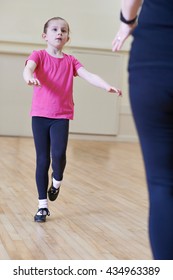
{"x":101,"y":212}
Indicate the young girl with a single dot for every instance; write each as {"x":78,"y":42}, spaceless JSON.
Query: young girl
{"x":51,"y":72}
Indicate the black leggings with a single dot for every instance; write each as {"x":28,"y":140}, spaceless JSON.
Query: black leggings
{"x":50,"y":138}
{"x":151,"y":97}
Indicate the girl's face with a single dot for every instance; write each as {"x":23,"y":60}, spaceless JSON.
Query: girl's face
{"x":57,"y":33}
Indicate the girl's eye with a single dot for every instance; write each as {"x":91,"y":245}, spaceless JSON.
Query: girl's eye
{"x":55,"y":29}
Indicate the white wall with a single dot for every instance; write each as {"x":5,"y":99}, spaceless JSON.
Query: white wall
{"x":93,"y":25}
{"x":93,"y":22}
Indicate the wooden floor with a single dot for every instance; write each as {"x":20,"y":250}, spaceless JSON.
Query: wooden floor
{"x":101,"y":212}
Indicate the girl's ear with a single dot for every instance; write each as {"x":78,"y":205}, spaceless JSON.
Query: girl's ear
{"x":44,"y":36}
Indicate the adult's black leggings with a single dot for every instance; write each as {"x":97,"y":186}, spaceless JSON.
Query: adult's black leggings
{"x":151,"y":98}
{"x":50,"y":138}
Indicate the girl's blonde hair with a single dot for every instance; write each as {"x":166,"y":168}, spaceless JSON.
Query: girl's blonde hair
{"x":54,"y":18}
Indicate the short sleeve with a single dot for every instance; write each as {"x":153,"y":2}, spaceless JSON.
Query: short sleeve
{"x":34,"y":56}
{"x":76,"y":65}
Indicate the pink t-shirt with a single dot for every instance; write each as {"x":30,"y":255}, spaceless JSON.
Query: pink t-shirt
{"x":54,"y":98}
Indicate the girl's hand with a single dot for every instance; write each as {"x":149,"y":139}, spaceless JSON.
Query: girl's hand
{"x":124,"y":31}
{"x":114,"y":90}
{"x":33,"y":82}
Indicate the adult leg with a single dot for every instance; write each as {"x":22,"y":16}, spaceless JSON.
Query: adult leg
{"x":40,"y":128}
{"x":151,"y":97}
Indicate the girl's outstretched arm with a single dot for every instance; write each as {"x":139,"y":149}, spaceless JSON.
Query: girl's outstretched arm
{"x":28,"y":73}
{"x":97,"y":81}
